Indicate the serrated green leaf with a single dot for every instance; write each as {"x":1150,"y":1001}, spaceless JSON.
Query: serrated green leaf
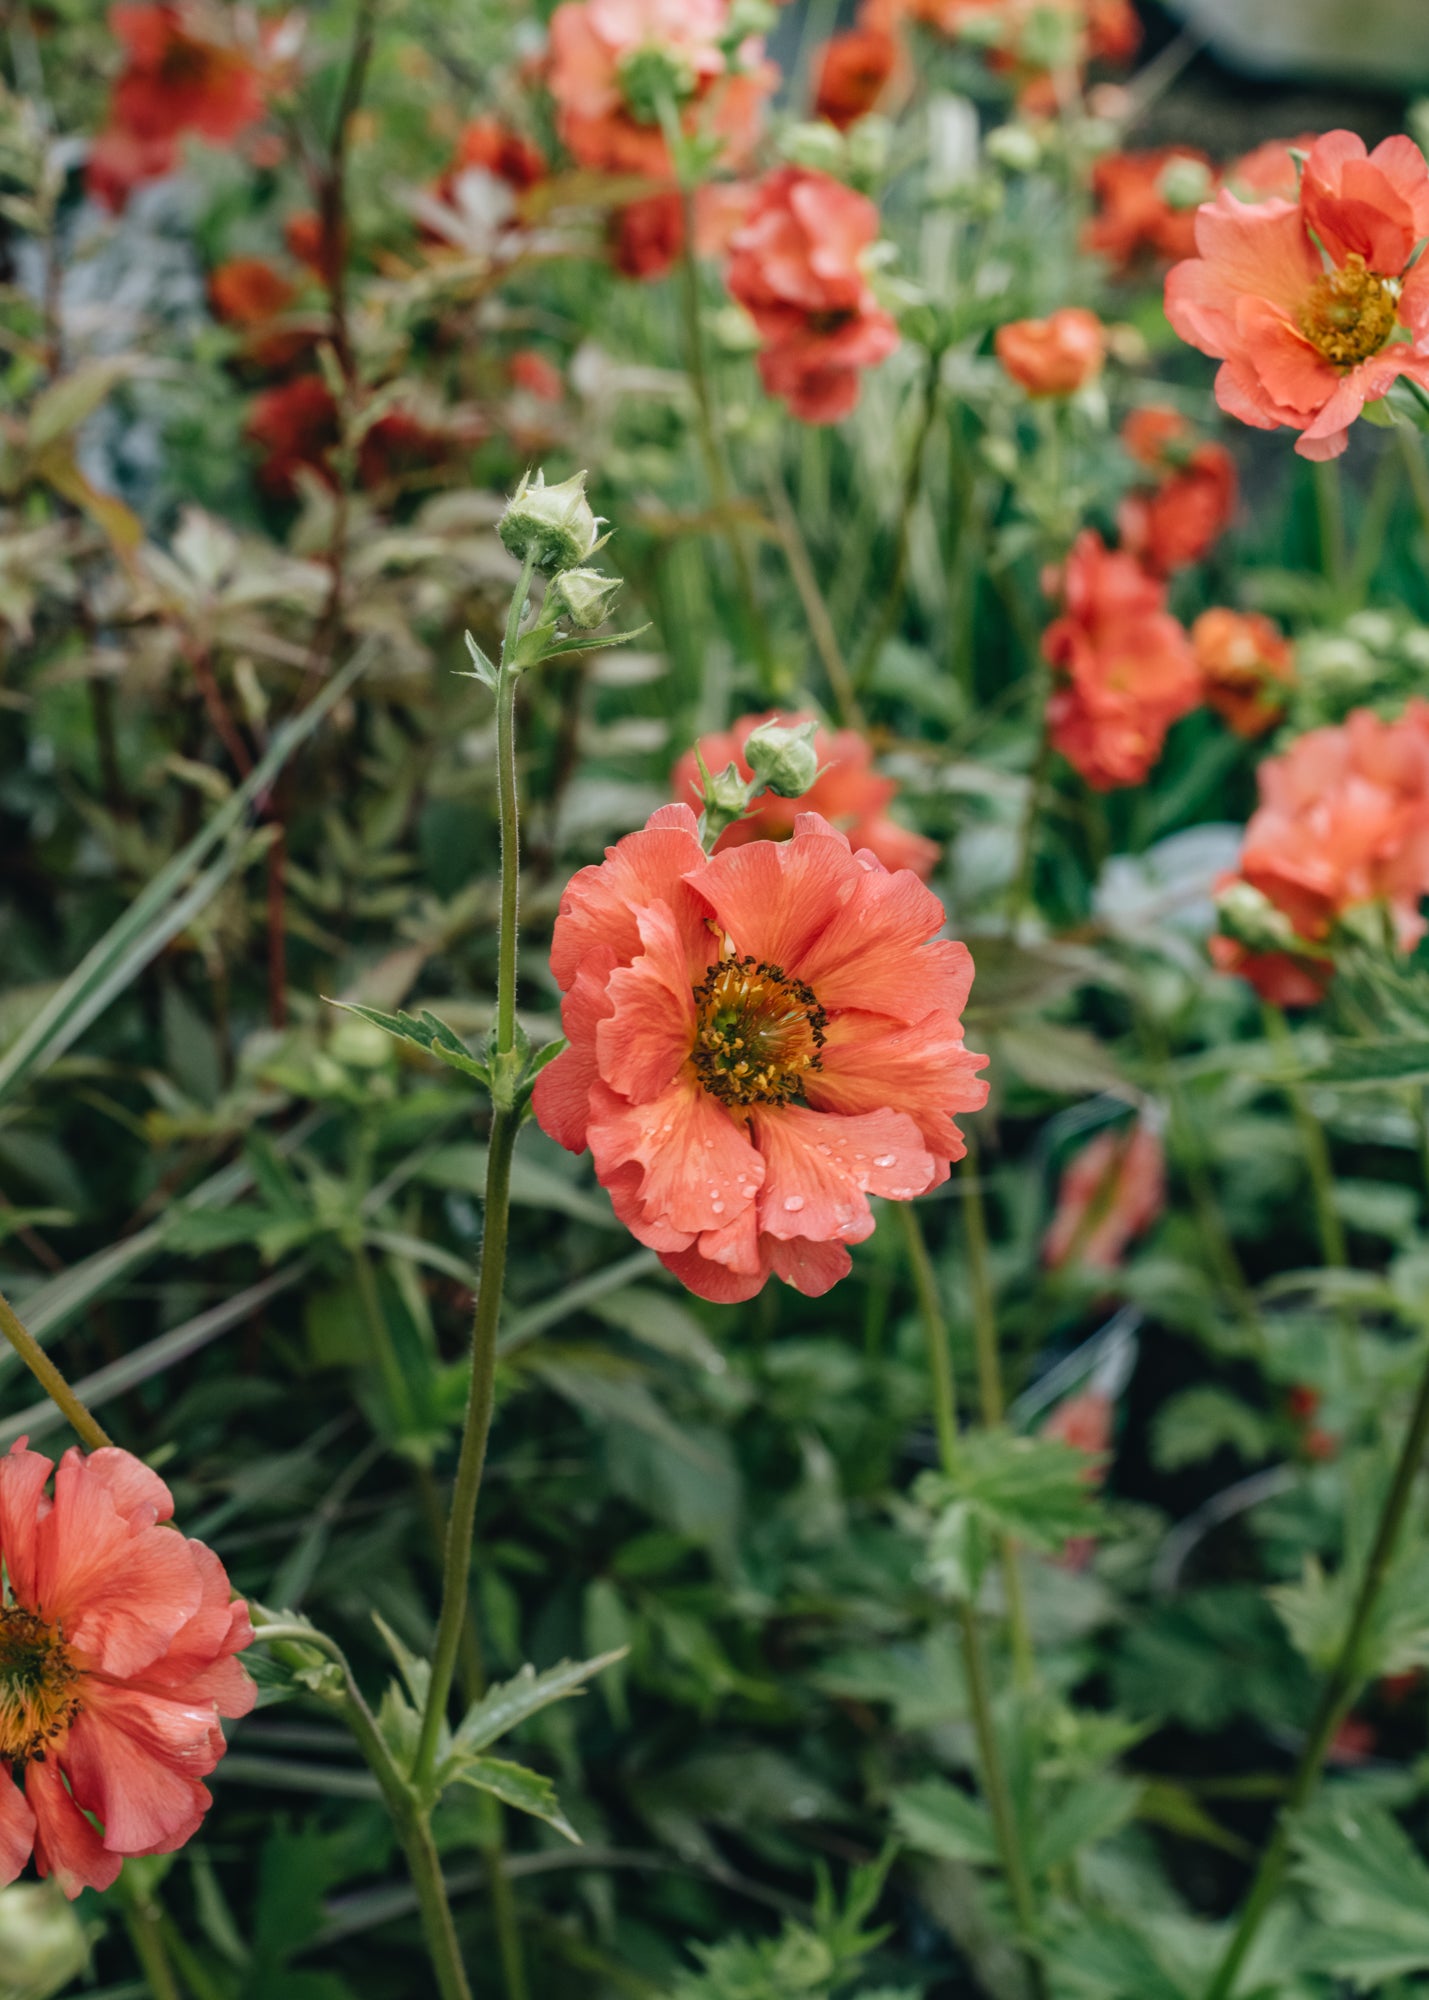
{"x":502,"y":1708}
{"x":415,"y":1672}
{"x":1370,"y":1891}
{"x":1202,"y":1420}
{"x":1032,"y":1488}
{"x":524,"y":1790}
{"x":1386,"y":1059}
{"x":1091,"y":1810}
{"x":427,"y":1033}
{"x":935,"y":1818}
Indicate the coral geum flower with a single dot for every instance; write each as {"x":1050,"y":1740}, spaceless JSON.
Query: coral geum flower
{"x":1182,"y":518}
{"x":758,"y":1042}
{"x":1111,"y":1191}
{"x":1313,"y":307}
{"x":854,"y":70}
{"x":1124,"y":666}
{"x":1343,"y":822}
{"x":848,"y":792}
{"x":1246,"y":665}
{"x":1142,"y":208}
{"x":615,"y":64}
{"x":796,"y":266}
{"x":117,"y":1644}
{"x":1053,"y":356}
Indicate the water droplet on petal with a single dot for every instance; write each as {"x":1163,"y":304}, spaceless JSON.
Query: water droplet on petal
{"x":793,"y":1202}
{"x":884,"y":1159}
{"x":716,"y":1208}
{"x":825,"y":1150}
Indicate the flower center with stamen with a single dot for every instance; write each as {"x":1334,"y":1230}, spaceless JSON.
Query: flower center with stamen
{"x":759,"y":1034}
{"x":1350,"y":313}
{"x":38,"y":1680}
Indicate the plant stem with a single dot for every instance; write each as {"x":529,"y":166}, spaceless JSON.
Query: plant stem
{"x":1330,"y":521}
{"x":1024,"y":875}
{"x":1411,"y":446}
{"x":716,"y":470}
{"x":887,"y":617}
{"x":816,"y":611}
{"x":1336,"y":1697}
{"x":505,"y":1120}
{"x":994,"y":1774}
{"x":142,"y":1924}
{"x":85,"y":1427}
{"x":993,"y":1401}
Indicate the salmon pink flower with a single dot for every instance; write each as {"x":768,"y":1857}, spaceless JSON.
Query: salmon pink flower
{"x":1111,"y":1192}
{"x":848,"y":792}
{"x":1268,"y":170}
{"x":1343,"y":823}
{"x":1084,"y":1421}
{"x":1246,"y":665}
{"x":796,"y":266}
{"x":1313,"y":307}
{"x":117,"y":1657}
{"x":854,"y":70}
{"x":615,"y":64}
{"x":1182,"y":518}
{"x":494,"y":148}
{"x":1123,"y":665}
{"x":758,"y":1041}
{"x":1053,"y":356}
{"x":1142,"y":213}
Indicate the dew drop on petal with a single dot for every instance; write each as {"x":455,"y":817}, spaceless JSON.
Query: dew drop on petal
{"x":716,"y":1208}
{"x":793,"y":1202}
{"x":884,"y":1159}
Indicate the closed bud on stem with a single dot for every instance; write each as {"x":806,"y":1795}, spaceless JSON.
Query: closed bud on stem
{"x":1185,"y":184}
{"x":749,"y":18}
{"x":584,"y":597}
{"x":725,"y":796}
{"x":783,"y":758}
{"x":1015,"y":147}
{"x":652,"y":79}
{"x":553,"y":524}
{"x":816,"y":145}
{"x":1247,"y":914}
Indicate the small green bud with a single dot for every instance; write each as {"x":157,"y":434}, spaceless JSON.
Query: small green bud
{"x":783,"y":758}
{"x":1015,"y":147}
{"x":653,"y":78}
{"x":555,"y":522}
{"x":816,"y":145}
{"x":1048,"y":39}
{"x":1185,"y":183}
{"x":1247,"y":914}
{"x":43,"y":1945}
{"x":748,"y":18}
{"x":584,"y":597}
{"x":869,"y":142}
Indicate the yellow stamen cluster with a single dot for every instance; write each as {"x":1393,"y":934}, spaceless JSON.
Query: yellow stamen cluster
{"x":1351,"y":313}
{"x":38,"y":1680}
{"x":759,"y":1034}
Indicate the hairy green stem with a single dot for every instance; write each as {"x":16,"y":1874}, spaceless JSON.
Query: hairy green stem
{"x":892,"y":604}
{"x":1020,"y":893}
{"x":142,"y":1923}
{"x":1336,"y":1697}
{"x":994,"y":1773}
{"x":85,"y":1427}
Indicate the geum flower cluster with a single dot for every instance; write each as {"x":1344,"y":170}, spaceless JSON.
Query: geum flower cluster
{"x":1341,"y":833}
{"x":1318,"y":304}
{"x":759,"y":1041}
{"x":117,"y":1657}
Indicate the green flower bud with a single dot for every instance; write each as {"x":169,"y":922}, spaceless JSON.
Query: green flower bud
{"x":1247,"y":914}
{"x":1185,"y":184}
{"x":746,"y":18}
{"x":585,"y":597}
{"x":42,"y":1940}
{"x":1015,"y":147}
{"x":816,"y":145}
{"x":653,"y":78}
{"x":784,"y":758}
{"x":869,"y":142}
{"x":554,"y":522}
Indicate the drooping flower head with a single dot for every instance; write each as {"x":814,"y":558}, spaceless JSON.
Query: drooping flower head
{"x":117,"y":1657}
{"x":1146,"y":203}
{"x":758,"y":1042}
{"x":618,"y":66}
{"x":854,"y":70}
{"x":796,"y":266}
{"x":1180,"y":519}
{"x":1246,"y":666}
{"x":1111,"y":1192}
{"x":1123,"y":665}
{"x":848,"y":792}
{"x":1054,"y":356}
{"x":1313,"y":307}
{"x":1342,"y":828}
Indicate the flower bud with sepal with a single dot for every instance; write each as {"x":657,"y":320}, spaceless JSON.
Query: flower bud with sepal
{"x":584,"y":597}
{"x":553,"y":525}
{"x":783,"y":758}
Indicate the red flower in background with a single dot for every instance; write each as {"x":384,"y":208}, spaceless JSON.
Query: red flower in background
{"x":1084,"y":1421}
{"x":1135,"y":219}
{"x":1304,"y":303}
{"x":1246,"y":665}
{"x":647,"y":236}
{"x":1053,"y":356}
{"x":1180,"y":520}
{"x":1268,"y":171}
{"x":611,"y":61}
{"x":757,"y":1043}
{"x":854,"y":70}
{"x":494,"y":148}
{"x":180,"y":75}
{"x":1111,"y":1192}
{"x":1124,"y":666}
{"x":796,"y":266}
{"x":848,"y":792}
{"x":296,"y":427}
{"x":307,"y":240}
{"x":1343,"y":821}
{"x":118,"y":1648}
{"x":532,"y":371}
